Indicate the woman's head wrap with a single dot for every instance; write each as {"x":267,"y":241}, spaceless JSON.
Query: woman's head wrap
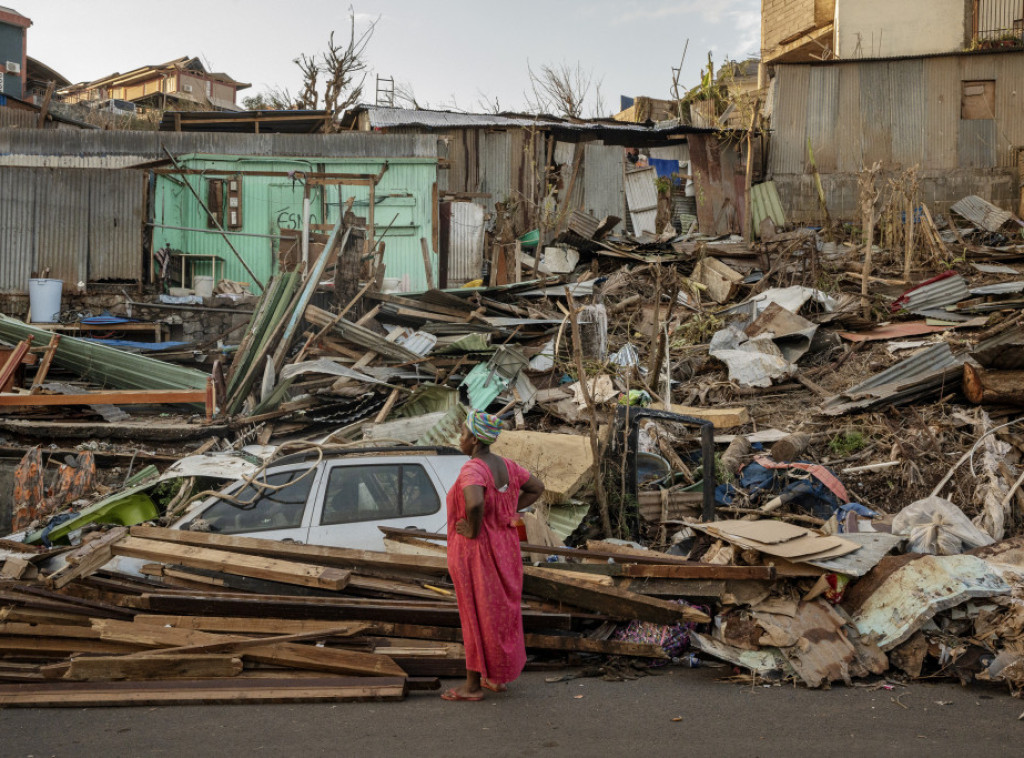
{"x":484,"y":426}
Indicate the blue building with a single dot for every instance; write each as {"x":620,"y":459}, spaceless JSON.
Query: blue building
{"x":13,"y":59}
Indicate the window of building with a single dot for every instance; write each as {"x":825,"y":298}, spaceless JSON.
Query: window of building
{"x":370,"y":493}
{"x":978,"y":100}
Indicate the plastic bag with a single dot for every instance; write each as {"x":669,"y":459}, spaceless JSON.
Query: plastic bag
{"x":937,"y":527}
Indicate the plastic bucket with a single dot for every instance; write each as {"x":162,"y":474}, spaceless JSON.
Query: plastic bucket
{"x":44,"y":300}
{"x":203,"y":285}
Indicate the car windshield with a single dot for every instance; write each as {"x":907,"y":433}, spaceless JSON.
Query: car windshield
{"x":275,"y":502}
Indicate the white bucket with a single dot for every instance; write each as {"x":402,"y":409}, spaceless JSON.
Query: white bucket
{"x":44,"y":300}
{"x":203,"y":285}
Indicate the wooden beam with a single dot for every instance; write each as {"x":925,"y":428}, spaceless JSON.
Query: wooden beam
{"x":611,"y":601}
{"x":600,"y":647}
{"x":228,"y":691}
{"x":257,"y":567}
{"x":202,"y":397}
{"x":288,"y":654}
{"x":87,"y":558}
{"x":104,"y":668}
{"x":44,"y":366}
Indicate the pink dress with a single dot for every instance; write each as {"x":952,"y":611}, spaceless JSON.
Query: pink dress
{"x":487,"y":572}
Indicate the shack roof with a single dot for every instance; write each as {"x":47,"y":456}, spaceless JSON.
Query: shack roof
{"x":261,"y":121}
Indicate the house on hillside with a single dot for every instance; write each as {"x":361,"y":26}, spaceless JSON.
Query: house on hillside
{"x":932,"y":84}
{"x":181,"y":84}
{"x":13,"y":58}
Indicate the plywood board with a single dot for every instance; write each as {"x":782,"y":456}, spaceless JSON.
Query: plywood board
{"x":562,"y":461}
{"x":721,"y":418}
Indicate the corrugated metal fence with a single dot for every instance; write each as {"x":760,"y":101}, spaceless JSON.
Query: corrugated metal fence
{"x":81,"y":224}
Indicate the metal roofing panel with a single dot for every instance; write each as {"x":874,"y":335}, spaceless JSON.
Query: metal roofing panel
{"x":789,"y":120}
{"x":981,"y":213}
{"x":117,"y":214}
{"x":941,"y":86}
{"x":850,"y":155}
{"x":466,"y":244}
{"x":1003,"y":352}
{"x":946,"y":291}
{"x":642,"y":198}
{"x":765,"y":203}
{"x":976,"y":147}
{"x":17,"y":228}
{"x":875,"y":113}
{"x":823,"y":117}
{"x":495,"y":176}
{"x":62,"y":224}
{"x":908,"y":112}
{"x":602,"y":180}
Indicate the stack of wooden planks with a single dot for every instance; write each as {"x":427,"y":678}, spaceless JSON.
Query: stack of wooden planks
{"x":207,"y":618}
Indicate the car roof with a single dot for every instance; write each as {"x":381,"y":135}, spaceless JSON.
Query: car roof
{"x":332,"y":453}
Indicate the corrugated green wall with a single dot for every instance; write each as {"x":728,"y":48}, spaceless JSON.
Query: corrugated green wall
{"x":270,"y":203}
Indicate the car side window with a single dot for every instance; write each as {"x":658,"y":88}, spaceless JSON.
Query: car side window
{"x":279,"y":504}
{"x":371,"y":493}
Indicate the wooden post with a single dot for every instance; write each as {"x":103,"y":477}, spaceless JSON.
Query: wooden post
{"x":427,"y":268}
{"x":519,"y":262}
{"x":748,"y":203}
{"x":45,"y":107}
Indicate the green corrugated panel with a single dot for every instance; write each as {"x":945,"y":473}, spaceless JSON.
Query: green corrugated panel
{"x":107,"y":366}
{"x":268,"y":202}
{"x":765,"y":203}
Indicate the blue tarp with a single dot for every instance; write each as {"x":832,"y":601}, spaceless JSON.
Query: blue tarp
{"x":666,"y":168}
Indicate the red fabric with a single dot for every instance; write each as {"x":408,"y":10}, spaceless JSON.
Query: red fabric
{"x":487,"y":572}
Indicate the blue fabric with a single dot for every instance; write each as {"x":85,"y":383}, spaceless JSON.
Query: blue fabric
{"x":666,"y":168}
{"x":151,"y":346}
{"x":54,"y":522}
{"x":808,"y":495}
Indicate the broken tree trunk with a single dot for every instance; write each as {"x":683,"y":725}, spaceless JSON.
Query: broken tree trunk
{"x":984,"y":386}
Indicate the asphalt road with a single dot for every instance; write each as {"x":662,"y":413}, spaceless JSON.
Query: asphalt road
{"x":681,"y":712}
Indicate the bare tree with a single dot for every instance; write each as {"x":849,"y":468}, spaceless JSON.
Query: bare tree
{"x":274,"y":99}
{"x":309,"y":98}
{"x":560,"y":90}
{"x":405,"y":97}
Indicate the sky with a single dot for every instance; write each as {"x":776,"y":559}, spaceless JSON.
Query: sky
{"x":452,"y":54}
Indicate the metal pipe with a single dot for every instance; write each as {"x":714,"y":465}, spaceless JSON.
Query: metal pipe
{"x":213,"y":231}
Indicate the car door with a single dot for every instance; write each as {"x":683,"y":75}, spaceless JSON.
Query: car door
{"x":358,"y":495}
{"x":276,"y":507}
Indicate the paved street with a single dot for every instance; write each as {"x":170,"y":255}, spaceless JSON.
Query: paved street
{"x":681,"y":712}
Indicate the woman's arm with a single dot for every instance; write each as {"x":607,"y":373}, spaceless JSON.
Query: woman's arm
{"x":469,"y":527}
{"x":530,"y":493}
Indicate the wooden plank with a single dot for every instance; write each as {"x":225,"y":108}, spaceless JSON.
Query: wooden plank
{"x":722,"y":418}
{"x":44,"y":366}
{"x":257,"y":567}
{"x":675,"y":588}
{"x":281,"y":654}
{"x":255,"y":625}
{"x":228,"y":691}
{"x":700,"y":571}
{"x":257,"y":607}
{"x":87,"y":558}
{"x":329,"y":556}
{"x":104,"y":668}
{"x":611,"y":601}
{"x":14,"y":568}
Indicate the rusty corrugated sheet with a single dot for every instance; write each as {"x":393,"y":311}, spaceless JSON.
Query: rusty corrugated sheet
{"x":908,"y":112}
{"x":17,"y":228}
{"x":117,"y":215}
{"x":494,"y":166}
{"x":982,"y":213}
{"x":876,"y":109}
{"x":466,"y":243}
{"x":62,"y":224}
{"x":602,"y":180}
{"x":822,"y":116}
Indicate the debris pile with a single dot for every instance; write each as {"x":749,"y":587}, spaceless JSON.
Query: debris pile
{"x":815,"y":437}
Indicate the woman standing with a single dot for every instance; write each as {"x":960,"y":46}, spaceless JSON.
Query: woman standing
{"x":484,"y":560}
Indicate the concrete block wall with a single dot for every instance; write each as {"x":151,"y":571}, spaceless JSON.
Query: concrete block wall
{"x":939,"y":190}
{"x":781,"y":19}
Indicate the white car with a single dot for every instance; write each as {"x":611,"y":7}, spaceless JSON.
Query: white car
{"x":339,"y":500}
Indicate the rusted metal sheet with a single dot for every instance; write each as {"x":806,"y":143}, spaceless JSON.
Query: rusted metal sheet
{"x":465,"y":243}
{"x":908,"y":112}
{"x":117,"y":215}
{"x":916,"y":592}
{"x":17,"y":228}
{"x":602,"y":181}
{"x":642,"y":198}
{"x":982,"y":213}
{"x":62,"y":224}
{"x":976,"y":147}
{"x":823,"y":116}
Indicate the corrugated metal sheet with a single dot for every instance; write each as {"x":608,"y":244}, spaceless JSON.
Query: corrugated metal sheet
{"x":466,"y":244}
{"x":1003,"y":352}
{"x":602,"y":181}
{"x":495,"y":175}
{"x":17,"y":228}
{"x":642,"y":198}
{"x":765,"y":203}
{"x":82,"y":224}
{"x":116,"y":220}
{"x":107,"y":146}
{"x":982,"y":213}
{"x":902,"y":112}
{"x":931,"y":370}
{"x":947,"y":291}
